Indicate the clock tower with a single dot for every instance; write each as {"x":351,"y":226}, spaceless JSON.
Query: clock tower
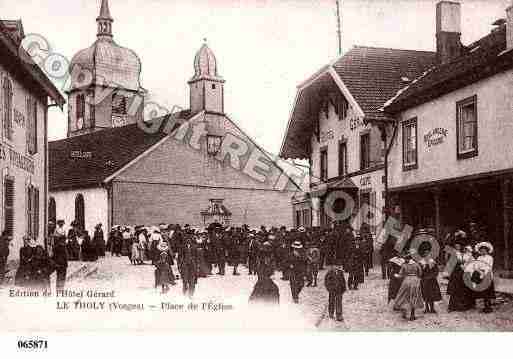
{"x":105,"y":88}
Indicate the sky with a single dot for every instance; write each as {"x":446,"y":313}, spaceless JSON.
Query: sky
{"x":264,"y":48}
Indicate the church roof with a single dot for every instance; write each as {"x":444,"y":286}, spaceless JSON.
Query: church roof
{"x":105,"y":62}
{"x":87,"y":160}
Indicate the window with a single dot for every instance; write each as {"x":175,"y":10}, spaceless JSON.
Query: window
{"x":52,"y":210}
{"x":32,"y":212}
{"x":368,"y":210}
{"x":31,"y":125}
{"x":7,"y":87}
{"x":324,"y":165}
{"x":410,"y":144}
{"x":466,"y":128}
{"x":306,"y":218}
{"x":80,"y":211}
{"x":298,"y":218}
{"x":118,"y":104}
{"x":213,"y":86}
{"x":80,"y":106}
{"x":92,"y":115}
{"x":9,"y":205}
{"x":365,"y":151}
{"x":342,"y":159}
{"x":213,"y":144}
{"x":343,"y":107}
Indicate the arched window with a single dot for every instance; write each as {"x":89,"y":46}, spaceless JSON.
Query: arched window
{"x":52,"y":210}
{"x":80,"y":107}
{"x":7,"y":89}
{"x":80,"y":211}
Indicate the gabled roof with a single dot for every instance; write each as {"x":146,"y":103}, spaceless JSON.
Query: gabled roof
{"x":373,"y":75}
{"x":18,"y":60}
{"x":479,"y":60}
{"x":87,"y":160}
{"x":369,"y":75}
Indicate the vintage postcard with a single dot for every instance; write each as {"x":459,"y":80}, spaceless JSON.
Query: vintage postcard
{"x":316,"y":165}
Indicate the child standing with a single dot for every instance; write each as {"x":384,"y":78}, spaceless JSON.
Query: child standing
{"x":163,"y":273}
{"x":429,"y":282}
{"x":486,"y":285}
{"x":335,"y":283}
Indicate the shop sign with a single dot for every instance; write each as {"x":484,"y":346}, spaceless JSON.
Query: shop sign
{"x":19,"y":119}
{"x":17,"y":159}
{"x":365,"y":181}
{"x":436,"y":136}
{"x":327,"y":135}
{"x":81,"y":155}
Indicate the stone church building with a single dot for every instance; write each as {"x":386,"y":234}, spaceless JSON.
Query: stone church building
{"x":192,"y":167}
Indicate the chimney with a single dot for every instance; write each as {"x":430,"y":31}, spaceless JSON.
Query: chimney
{"x":448,"y":31}
{"x":509,"y":27}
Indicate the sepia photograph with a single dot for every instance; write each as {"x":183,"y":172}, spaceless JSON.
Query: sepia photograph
{"x":320,"y":166}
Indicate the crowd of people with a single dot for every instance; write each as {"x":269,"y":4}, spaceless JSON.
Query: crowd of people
{"x":298,"y":254}
{"x":414,"y":273}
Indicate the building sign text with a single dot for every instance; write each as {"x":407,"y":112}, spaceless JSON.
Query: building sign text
{"x":435,"y":137}
{"x":17,"y":159}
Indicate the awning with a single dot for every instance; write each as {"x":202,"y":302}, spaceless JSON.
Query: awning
{"x":344,"y":184}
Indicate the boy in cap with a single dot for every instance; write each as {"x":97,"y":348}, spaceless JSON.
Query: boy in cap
{"x":335,"y":283}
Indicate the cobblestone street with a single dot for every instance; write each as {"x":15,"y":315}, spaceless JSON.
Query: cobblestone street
{"x":364,"y":310}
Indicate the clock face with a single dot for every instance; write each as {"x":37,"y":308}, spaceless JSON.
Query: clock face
{"x":80,"y":123}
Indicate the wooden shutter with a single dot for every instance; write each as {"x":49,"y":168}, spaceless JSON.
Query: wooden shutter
{"x":9,"y":206}
{"x":36,"y":213}
{"x":373,"y":211}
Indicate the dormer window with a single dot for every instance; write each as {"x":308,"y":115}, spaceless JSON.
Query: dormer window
{"x":213,"y":144}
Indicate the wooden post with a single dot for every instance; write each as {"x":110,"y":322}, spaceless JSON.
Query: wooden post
{"x":506,"y":207}
{"x":436,"y":196}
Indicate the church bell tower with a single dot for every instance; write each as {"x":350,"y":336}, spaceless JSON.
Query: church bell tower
{"x":206,"y":86}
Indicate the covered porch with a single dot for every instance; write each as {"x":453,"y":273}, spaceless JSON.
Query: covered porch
{"x":446,"y":206}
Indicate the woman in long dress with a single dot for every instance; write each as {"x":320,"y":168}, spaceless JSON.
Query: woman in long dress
{"x":429,"y":283}
{"x":461,"y":296}
{"x":409,"y":297}
{"x":394,"y":266}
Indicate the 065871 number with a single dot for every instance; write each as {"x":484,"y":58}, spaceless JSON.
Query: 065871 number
{"x":32,"y":344}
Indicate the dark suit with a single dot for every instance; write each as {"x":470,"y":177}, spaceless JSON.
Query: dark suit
{"x":335,"y":283}
{"x":188,"y":266}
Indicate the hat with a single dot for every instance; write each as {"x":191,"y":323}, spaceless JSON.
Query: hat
{"x":297,"y":245}
{"x":301,"y":229}
{"x":488,"y":245}
{"x":271,"y":237}
{"x":162,"y":246}
{"x":460,"y":234}
{"x":32,"y":243}
{"x":162,"y":226}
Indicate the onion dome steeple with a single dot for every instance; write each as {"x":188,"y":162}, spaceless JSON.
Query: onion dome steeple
{"x":104,"y":21}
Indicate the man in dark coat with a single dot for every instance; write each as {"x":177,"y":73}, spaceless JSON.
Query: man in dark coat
{"x":60,"y":259}
{"x":355,"y":263}
{"x":220,"y":250}
{"x":297,"y":268}
{"x":5,"y":241}
{"x":335,"y":283}
{"x":367,"y":247}
{"x":253,"y":251}
{"x":99,"y":240}
{"x":188,"y":265}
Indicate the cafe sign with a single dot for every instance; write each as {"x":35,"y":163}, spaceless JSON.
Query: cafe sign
{"x":436,"y":136}
{"x":17,"y":159}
